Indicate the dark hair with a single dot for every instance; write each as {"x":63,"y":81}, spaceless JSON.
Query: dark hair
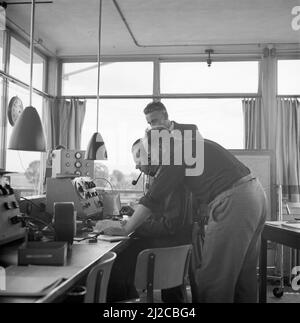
{"x":155,"y":106}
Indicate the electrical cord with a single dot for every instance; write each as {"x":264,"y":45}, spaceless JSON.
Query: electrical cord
{"x":47,"y":225}
{"x":94,"y":237}
{"x":24,"y":169}
{"x":144,"y":184}
{"x":36,"y":205}
{"x":103,"y":178}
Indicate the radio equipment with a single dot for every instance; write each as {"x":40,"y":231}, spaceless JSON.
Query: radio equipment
{"x":71,"y":162}
{"x":80,"y":190}
{"x":10,"y":227}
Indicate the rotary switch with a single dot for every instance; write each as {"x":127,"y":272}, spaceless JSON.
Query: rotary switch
{"x":78,"y":164}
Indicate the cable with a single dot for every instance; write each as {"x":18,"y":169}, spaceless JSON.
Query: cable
{"x":38,"y":220}
{"x":37,"y":206}
{"x":22,"y":165}
{"x":112,"y":188}
{"x":91,"y":237}
{"x":20,"y":160}
{"x":144,"y":184}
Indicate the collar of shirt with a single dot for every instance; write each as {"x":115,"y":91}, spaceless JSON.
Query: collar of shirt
{"x":171,"y":128}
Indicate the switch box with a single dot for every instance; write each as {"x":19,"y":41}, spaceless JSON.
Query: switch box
{"x":10,"y":230}
{"x":80,"y":190}
{"x":71,"y":162}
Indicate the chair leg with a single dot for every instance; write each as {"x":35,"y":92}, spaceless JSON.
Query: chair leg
{"x":150,"y":278}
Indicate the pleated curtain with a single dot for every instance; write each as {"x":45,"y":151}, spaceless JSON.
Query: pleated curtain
{"x":64,"y":119}
{"x":287,"y":147}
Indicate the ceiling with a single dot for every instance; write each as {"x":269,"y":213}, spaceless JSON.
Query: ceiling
{"x":69,"y":27}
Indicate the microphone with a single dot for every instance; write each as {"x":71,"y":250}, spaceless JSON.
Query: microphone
{"x":136,"y":181}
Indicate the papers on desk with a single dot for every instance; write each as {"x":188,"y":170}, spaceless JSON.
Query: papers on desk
{"x":292,"y":225}
{"x":103,"y":237}
{"x":288,"y":224}
{"x":106,"y":237}
{"x":32,"y":281}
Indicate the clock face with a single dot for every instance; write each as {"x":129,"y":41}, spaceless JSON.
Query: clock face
{"x":15,"y":108}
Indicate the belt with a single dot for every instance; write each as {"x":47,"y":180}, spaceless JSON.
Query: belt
{"x":239,"y":182}
{"x":243,"y":180}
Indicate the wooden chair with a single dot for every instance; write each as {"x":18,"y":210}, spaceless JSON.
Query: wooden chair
{"x":162,"y":268}
{"x":98,"y":278}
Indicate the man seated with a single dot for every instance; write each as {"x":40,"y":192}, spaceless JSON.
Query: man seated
{"x":169,"y":226}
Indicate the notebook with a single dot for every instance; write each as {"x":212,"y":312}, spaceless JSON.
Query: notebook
{"x":292,"y":225}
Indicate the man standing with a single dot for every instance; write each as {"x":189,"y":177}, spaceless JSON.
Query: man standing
{"x":237,"y":212}
{"x":157,"y":115}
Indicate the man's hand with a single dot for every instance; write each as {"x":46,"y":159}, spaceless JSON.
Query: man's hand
{"x":126,"y":210}
{"x":110,"y":227}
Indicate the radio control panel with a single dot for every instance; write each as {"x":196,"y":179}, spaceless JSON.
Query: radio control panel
{"x":71,"y":162}
{"x":10,"y":229}
{"x":80,"y":190}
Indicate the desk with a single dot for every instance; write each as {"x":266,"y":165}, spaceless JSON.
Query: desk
{"x":277,"y":233}
{"x":81,"y":258}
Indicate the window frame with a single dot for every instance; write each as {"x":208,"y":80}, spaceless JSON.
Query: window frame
{"x":285,"y":57}
{"x":156,"y":59}
{"x":7,"y":78}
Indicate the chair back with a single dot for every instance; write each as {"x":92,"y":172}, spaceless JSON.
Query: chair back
{"x":98,"y":278}
{"x":162,"y":268}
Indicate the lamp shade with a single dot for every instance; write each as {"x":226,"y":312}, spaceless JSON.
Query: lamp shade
{"x":28,"y":134}
{"x":96,"y":149}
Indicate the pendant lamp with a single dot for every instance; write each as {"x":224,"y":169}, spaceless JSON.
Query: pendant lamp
{"x":96,"y":149}
{"x":28,"y":134}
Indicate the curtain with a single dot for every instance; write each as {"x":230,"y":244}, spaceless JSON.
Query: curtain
{"x":267,"y":89}
{"x":259,"y":112}
{"x":2,"y":135}
{"x":64,"y":122}
{"x":254,"y":124}
{"x":287,"y":147}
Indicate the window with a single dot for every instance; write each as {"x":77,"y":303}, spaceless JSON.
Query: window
{"x":121,"y":123}
{"x":1,"y":49}
{"x":19,"y":65}
{"x":25,"y":164}
{"x":220,"y":120}
{"x":221,"y":77}
{"x":289,"y":77}
{"x":2,"y":126}
{"x":120,"y":78}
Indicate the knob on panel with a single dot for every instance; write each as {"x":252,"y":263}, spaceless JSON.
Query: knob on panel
{"x":78,"y":155}
{"x":78,"y":164}
{"x":7,"y":206}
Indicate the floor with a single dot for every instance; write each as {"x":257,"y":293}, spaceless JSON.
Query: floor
{"x":288,"y":297}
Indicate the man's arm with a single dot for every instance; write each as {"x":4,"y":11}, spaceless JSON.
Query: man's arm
{"x":123,"y":228}
{"x":140,"y":215}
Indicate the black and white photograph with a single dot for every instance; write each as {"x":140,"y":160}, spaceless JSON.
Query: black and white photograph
{"x":149,"y":154}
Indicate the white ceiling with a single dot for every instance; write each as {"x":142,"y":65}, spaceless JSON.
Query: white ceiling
{"x":69,"y":27}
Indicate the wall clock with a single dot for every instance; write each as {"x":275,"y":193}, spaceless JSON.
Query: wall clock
{"x":15,"y":108}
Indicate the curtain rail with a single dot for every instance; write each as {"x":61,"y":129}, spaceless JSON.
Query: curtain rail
{"x":165,"y":96}
{"x":162,"y":96}
{"x":289,"y":96}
